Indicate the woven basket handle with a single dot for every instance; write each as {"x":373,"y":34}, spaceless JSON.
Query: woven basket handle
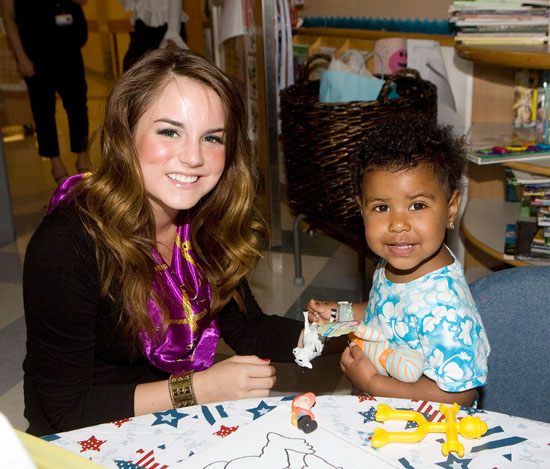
{"x":306,"y":69}
{"x":408,"y":81}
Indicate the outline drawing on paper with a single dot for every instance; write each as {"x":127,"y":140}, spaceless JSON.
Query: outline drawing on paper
{"x":279,"y":452}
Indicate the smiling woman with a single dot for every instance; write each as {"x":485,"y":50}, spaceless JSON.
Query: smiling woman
{"x":145,"y":260}
{"x":181,"y":151}
{"x":180,"y":142}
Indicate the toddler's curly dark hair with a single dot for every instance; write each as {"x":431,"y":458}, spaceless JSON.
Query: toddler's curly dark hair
{"x":407,"y":141}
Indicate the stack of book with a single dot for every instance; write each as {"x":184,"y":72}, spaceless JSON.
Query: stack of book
{"x":533,"y":237}
{"x":540,"y":199}
{"x":504,"y":22}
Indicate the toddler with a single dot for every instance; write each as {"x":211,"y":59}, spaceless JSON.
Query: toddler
{"x":407,"y":175}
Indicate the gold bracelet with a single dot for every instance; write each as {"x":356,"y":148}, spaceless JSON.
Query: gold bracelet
{"x":181,"y":389}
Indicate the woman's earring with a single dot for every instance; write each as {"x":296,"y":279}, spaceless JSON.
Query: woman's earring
{"x":451,"y":225}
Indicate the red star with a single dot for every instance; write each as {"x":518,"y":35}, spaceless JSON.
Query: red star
{"x":224,"y":431}
{"x":366,"y":398}
{"x":119,"y":423}
{"x":91,"y":443}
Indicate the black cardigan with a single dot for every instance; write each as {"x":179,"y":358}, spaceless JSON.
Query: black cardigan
{"x":79,"y":370}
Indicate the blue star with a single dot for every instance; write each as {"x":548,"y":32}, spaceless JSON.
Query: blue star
{"x":169,"y":417}
{"x":454,"y":463}
{"x":262,"y":409}
{"x":365,"y":437}
{"x":411,"y":424}
{"x":369,"y":415}
{"x":472,"y":410}
{"x":126,"y":464}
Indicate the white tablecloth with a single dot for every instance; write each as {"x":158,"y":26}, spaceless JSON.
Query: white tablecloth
{"x":172,"y":438}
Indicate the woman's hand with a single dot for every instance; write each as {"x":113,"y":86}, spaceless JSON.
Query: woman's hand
{"x":238,"y":377}
{"x":358,"y":368}
{"x":318,"y":310}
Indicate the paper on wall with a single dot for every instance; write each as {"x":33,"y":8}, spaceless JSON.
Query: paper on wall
{"x":232,"y":20}
{"x":425,"y":56}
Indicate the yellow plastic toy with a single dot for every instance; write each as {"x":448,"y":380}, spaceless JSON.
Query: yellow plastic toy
{"x":469,"y":427}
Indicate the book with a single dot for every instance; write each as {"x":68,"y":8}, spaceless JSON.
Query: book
{"x":525,"y":233}
{"x":540,"y":241}
{"x":508,"y":40}
{"x":545,"y":202}
{"x":522,"y":177}
{"x":491,"y":29}
{"x":519,"y":20}
{"x":510,"y":242}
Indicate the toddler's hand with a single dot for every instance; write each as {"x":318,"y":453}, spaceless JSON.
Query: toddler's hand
{"x":358,"y":368}
{"x":320,"y":311}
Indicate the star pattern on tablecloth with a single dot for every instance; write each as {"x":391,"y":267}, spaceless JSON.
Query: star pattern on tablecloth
{"x":472,"y":410}
{"x":453,"y":462}
{"x":169,"y":417}
{"x":366,"y":398}
{"x":410,"y":424}
{"x":119,"y":423}
{"x":261,"y":409}
{"x":225,"y":431}
{"x":91,"y":443}
{"x":369,"y":415}
{"x":126,"y":464}
{"x":366,"y":437}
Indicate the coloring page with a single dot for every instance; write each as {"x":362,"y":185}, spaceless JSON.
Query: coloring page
{"x":273,"y":442}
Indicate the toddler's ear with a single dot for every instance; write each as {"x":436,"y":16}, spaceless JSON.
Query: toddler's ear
{"x":454,"y":205}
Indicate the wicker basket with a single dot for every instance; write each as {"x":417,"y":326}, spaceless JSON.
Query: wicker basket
{"x":318,"y":139}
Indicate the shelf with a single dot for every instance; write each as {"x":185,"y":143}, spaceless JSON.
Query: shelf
{"x":484,"y":220}
{"x":484,"y":225}
{"x":365,"y":34}
{"x":507,"y":56}
{"x":528,"y":167}
{"x":489,"y":134}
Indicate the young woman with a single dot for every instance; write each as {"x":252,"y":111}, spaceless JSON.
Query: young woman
{"x":140,"y":267}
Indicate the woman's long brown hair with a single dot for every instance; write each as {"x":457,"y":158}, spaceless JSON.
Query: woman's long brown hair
{"x":115,"y":209}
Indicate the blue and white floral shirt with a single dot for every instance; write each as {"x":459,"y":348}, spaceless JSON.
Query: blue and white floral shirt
{"x":436,"y":315}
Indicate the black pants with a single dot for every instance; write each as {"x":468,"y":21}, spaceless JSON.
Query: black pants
{"x":143,"y":39}
{"x":63,"y":74}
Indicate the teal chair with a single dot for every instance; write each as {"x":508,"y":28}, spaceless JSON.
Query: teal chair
{"x":515,"y":308}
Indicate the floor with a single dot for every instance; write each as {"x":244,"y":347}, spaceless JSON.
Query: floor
{"x":329,"y":269}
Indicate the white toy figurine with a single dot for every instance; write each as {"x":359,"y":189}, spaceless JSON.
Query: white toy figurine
{"x":312,"y":345}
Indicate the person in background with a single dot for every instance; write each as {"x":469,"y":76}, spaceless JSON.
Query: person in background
{"x":157,"y":23}
{"x":139,"y":267}
{"x":46,"y":37}
{"x":407,"y":176}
